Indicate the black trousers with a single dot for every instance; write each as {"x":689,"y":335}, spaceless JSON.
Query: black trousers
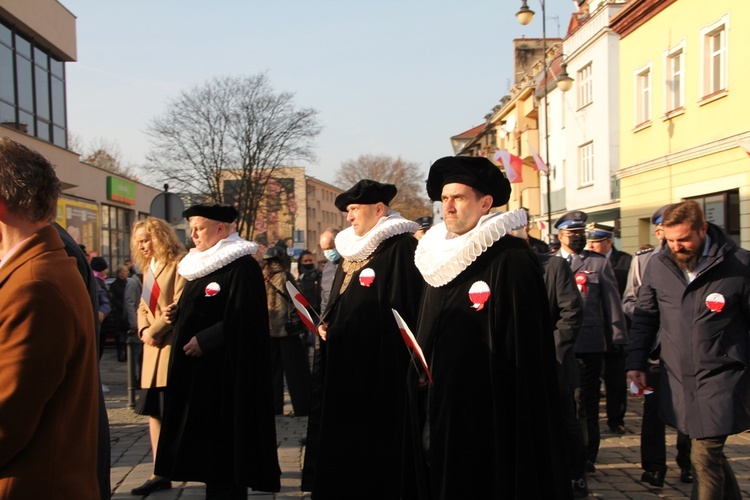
{"x":615,"y":383}
{"x":575,"y":448}
{"x":223,"y":491}
{"x":587,"y":400}
{"x":653,"y":447}
{"x":289,"y":357}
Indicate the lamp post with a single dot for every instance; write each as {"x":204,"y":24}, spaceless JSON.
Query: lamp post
{"x":564,"y":83}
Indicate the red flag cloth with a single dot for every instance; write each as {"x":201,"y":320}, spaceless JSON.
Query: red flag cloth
{"x":151,"y":291}
{"x":301,"y":304}
{"x":538,"y":163}
{"x":410,"y":341}
{"x":745,"y":145}
{"x":513,"y":165}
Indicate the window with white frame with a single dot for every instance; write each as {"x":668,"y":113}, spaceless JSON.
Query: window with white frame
{"x":643,"y":95}
{"x":714,"y":65}
{"x":674,"y":95}
{"x":586,"y":164}
{"x":585,"y":86}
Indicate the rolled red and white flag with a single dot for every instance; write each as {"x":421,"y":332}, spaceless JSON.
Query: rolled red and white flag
{"x":411,"y":342}
{"x":301,"y":304}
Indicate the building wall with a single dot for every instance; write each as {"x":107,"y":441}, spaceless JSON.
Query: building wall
{"x":693,"y":151}
{"x":321,"y":213}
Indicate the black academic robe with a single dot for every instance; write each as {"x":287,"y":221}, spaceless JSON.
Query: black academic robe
{"x":492,"y":418}
{"x":219,"y":423}
{"x":355,"y":429}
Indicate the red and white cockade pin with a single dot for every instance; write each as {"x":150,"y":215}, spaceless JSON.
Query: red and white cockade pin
{"x":212,"y":289}
{"x":581,"y":281}
{"x":366,"y":277}
{"x":478,"y":294}
{"x":715,"y":302}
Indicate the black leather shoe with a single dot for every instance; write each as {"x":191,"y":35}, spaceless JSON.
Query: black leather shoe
{"x":653,"y":477}
{"x":151,"y":486}
{"x":686,"y":476}
{"x":617,"y":429}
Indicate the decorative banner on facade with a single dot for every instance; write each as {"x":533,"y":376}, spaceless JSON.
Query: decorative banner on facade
{"x":120,"y":190}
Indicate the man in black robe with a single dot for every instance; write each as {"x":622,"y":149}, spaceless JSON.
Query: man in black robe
{"x":355,"y":429}
{"x":219,"y":425}
{"x":490,"y":426}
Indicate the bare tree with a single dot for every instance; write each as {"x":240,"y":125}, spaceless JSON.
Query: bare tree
{"x":224,"y":139}
{"x":103,"y":154}
{"x":411,"y":200}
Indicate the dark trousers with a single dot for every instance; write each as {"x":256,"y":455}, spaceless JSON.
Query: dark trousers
{"x":587,"y":400}
{"x":289,"y":357}
{"x":575,"y":449}
{"x":222,"y":491}
{"x":713,"y":476}
{"x":653,"y":447}
{"x":615,"y":385}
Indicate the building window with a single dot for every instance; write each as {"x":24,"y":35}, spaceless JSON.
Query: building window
{"x":117,"y":225}
{"x":585,"y":86}
{"x":32,"y":89}
{"x":723,"y":209}
{"x":643,"y":96}
{"x":586,"y":164}
{"x":715,"y":45}
{"x":675,"y":84}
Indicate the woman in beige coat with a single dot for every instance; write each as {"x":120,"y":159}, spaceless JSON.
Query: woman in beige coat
{"x":156,"y":251}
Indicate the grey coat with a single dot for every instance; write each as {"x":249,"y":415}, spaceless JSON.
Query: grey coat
{"x":603,"y":319}
{"x":705,"y":384}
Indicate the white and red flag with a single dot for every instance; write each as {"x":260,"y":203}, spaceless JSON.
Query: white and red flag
{"x":301,"y":304}
{"x":151,"y":291}
{"x":512,"y":163}
{"x":411,"y":342}
{"x":538,"y":163}
{"x":745,"y":145}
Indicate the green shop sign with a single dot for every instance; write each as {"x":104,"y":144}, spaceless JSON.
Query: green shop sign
{"x":120,"y":190}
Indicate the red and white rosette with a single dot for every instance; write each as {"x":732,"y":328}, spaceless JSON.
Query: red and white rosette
{"x":715,"y":302}
{"x":366,"y":277}
{"x":212,"y":289}
{"x":581,"y":280}
{"x":479,"y":293}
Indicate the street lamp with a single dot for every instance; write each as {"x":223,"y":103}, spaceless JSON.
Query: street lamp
{"x":563,"y":81}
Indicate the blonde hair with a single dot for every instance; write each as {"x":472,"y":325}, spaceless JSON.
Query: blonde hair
{"x":164,"y":242}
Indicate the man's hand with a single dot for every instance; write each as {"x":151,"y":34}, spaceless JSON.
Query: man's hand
{"x":638,"y":377}
{"x":322,"y":330}
{"x":192,"y":348}
{"x":170,"y":313}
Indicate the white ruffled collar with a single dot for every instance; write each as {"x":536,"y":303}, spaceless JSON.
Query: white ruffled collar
{"x":198,"y":264}
{"x":356,"y":248}
{"x":441,"y":256}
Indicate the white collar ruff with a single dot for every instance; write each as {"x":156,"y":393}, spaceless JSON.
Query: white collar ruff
{"x":198,"y":264}
{"x":357,"y":248}
{"x":441,"y":255}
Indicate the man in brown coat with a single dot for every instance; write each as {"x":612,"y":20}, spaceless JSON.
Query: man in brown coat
{"x":48,"y":363}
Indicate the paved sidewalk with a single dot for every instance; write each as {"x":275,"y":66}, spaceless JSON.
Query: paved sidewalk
{"x":617,"y":476}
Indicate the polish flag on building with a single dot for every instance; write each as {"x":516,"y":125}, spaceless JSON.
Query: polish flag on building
{"x":513,"y":165}
{"x":538,"y":163}
{"x":745,"y":145}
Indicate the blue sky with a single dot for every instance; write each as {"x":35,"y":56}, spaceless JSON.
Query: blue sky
{"x":393,"y":77}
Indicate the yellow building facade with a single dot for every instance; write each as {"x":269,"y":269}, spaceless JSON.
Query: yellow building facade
{"x":684,"y":101}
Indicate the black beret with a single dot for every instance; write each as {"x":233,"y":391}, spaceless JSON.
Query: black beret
{"x":658,"y":215}
{"x":366,"y":192}
{"x":475,"y":171}
{"x":99,"y":264}
{"x":572,"y":221}
{"x":221,"y":213}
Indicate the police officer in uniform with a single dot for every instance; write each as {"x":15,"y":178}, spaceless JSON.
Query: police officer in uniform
{"x":603,"y":321}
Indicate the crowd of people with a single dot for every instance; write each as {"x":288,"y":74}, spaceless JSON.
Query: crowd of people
{"x":517,"y":339}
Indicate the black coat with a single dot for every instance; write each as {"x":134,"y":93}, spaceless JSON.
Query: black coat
{"x":219,"y":423}
{"x":566,"y":312}
{"x":492,"y":419}
{"x":620,"y":262}
{"x":355,"y":428}
{"x":705,"y":382}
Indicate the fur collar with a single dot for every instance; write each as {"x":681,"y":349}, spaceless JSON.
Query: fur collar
{"x":199,"y":264}
{"x":357,"y":248}
{"x":441,"y":256}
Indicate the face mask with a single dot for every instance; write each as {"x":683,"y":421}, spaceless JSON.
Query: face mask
{"x":332,"y":255}
{"x":308,"y":267}
{"x":577,"y":242}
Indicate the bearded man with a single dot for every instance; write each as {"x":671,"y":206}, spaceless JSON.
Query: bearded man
{"x":696,"y":295}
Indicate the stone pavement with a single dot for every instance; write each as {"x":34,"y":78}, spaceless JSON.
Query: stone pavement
{"x":617,"y":476}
